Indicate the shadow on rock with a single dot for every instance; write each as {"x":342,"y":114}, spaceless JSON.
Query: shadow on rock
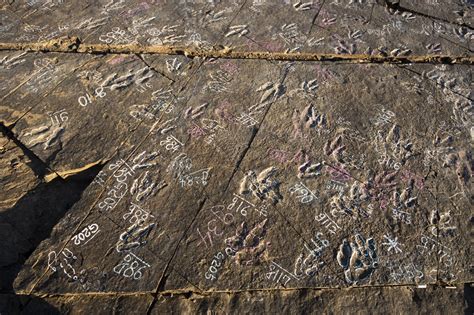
{"x":32,"y":218}
{"x":23,"y":304}
{"x":469,"y":298}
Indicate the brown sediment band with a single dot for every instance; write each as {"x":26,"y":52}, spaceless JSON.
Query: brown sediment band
{"x":74,"y":45}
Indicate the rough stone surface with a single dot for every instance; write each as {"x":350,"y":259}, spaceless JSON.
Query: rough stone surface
{"x":180,"y":157}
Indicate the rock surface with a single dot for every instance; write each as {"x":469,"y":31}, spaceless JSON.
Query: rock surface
{"x":236,"y":157}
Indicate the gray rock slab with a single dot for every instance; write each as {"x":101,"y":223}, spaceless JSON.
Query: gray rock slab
{"x":334,"y":159}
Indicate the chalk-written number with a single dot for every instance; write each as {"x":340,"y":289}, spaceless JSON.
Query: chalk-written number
{"x":86,"y":234}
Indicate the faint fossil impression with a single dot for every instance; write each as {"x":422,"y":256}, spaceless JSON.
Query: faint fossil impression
{"x":291,"y":36}
{"x":302,"y":6}
{"x":463,"y":33}
{"x":167,"y":126}
{"x":195,"y":112}
{"x":464,"y":165}
{"x":405,"y":198}
{"x":441,"y":223}
{"x":167,"y":35}
{"x":219,"y":82}
{"x":237,"y":30}
{"x":309,"y":170}
{"x":47,"y":136}
{"x":213,"y":16}
{"x":433,"y":48}
{"x":91,"y":23}
{"x":309,"y":264}
{"x":173,"y":65}
{"x":146,"y":185}
{"x":9,"y":62}
{"x":270,"y":92}
{"x":352,"y":202}
{"x":463,"y":112}
{"x":344,"y":47}
{"x":144,"y":160}
{"x":262,"y":186}
{"x":308,"y":119}
{"x":400,"y":52}
{"x":138,"y":77}
{"x":306,"y":89}
{"x":358,"y":258}
{"x":335,"y":149}
{"x":248,"y":243}
{"x":383,"y":188}
{"x":394,"y":149}
{"x":134,"y":236}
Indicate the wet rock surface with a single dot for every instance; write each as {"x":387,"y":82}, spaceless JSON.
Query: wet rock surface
{"x":162,"y":157}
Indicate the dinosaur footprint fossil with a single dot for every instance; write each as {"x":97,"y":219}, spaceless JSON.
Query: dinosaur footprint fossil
{"x":395,"y":148}
{"x":309,"y":118}
{"x":307,"y":265}
{"x":358,"y":258}
{"x":134,"y":236}
{"x":9,"y":62}
{"x":352,"y":203}
{"x":173,"y":65}
{"x":343,"y":47}
{"x":138,"y":77}
{"x":441,"y":223}
{"x":300,"y":6}
{"x":335,"y":149}
{"x":405,"y":198}
{"x":271,"y":91}
{"x":237,"y":30}
{"x":195,"y":112}
{"x":145,"y":186}
{"x":308,"y":170}
{"x":248,"y":244}
{"x":262,"y":186}
{"x":47,"y":136}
